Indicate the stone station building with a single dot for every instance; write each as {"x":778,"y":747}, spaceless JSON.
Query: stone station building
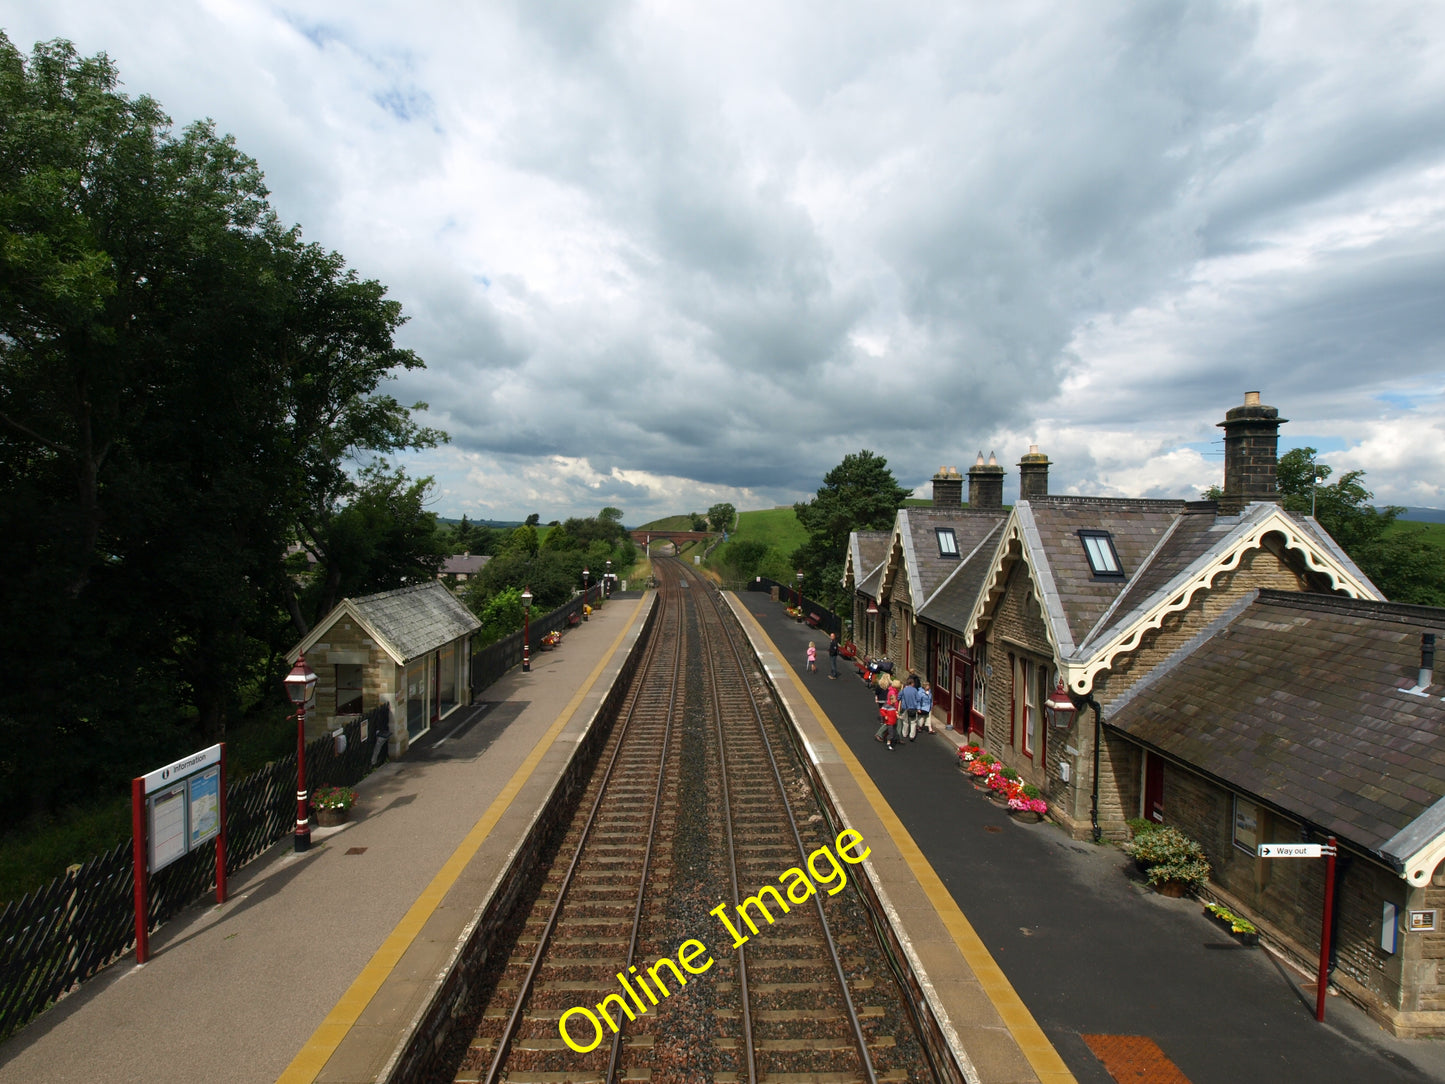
{"x":409,"y":649}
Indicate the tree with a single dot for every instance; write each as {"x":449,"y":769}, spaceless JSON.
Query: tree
{"x":1401,"y":562}
{"x":720,"y":516}
{"x":699,"y":523}
{"x":382,"y":538}
{"x":860,"y":493}
{"x":185,"y":387}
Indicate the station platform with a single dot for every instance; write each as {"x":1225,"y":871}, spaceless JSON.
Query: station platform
{"x":320,"y":961}
{"x":1124,"y":984}
{"x":284,"y":980}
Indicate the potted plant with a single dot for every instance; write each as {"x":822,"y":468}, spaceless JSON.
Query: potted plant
{"x":1174,"y":864}
{"x":332,"y":805}
{"x":1027,"y":803}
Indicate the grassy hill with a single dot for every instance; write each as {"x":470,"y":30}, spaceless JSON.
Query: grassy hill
{"x":761,"y":546}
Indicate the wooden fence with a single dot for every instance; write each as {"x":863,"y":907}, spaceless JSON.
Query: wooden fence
{"x":61,"y":934}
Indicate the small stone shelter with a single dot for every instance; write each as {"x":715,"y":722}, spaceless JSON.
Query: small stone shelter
{"x":409,"y":648}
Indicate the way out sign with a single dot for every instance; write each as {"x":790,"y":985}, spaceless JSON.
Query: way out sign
{"x":1313,"y":850}
{"x":1291,"y":850}
{"x":174,"y":811}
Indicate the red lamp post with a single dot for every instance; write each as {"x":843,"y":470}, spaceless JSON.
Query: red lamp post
{"x":586,"y":602}
{"x":300,"y":684}
{"x":527,"y":630}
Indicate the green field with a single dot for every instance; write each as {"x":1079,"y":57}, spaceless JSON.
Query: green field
{"x":762,"y":545}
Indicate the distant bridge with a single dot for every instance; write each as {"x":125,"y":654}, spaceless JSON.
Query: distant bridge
{"x":646,"y":538}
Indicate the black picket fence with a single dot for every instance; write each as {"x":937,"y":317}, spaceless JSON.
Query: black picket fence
{"x":62,"y":934}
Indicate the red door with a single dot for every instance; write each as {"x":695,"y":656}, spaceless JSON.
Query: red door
{"x":958,"y":695}
{"x":1153,"y":789}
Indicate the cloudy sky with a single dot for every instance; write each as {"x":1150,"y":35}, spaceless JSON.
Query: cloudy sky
{"x":658,"y":255}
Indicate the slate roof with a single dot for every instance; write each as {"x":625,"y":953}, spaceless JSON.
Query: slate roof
{"x":463,"y":564}
{"x":1299,"y":700}
{"x":407,"y":622}
{"x":867,"y":555}
{"x":1167,"y":550}
{"x":943,"y":588}
{"x":1137,"y":527}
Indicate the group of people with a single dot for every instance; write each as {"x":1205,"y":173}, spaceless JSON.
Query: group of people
{"x":905,"y":708}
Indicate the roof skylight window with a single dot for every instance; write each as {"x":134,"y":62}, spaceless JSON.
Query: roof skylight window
{"x":947,"y":543}
{"x":1099,"y":549}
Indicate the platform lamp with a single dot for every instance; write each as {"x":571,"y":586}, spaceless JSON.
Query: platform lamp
{"x":1060,"y":708}
{"x":526,"y":630}
{"x":800,"y":589}
{"x":300,"y":684}
{"x":872,"y":624}
{"x":586,"y":579}
{"x":607,"y":583}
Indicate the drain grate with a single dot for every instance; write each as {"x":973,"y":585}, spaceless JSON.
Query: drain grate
{"x":355,"y":850}
{"x":993,"y":828}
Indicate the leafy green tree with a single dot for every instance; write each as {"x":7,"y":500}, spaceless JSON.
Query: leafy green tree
{"x":611,"y":515}
{"x":859,"y":494}
{"x":183,"y":383}
{"x":699,"y":522}
{"x":1401,"y":562}
{"x":382,"y":538}
{"x":534,"y":520}
{"x":720,"y":516}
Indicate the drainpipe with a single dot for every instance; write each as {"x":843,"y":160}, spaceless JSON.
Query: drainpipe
{"x":1094,"y":797}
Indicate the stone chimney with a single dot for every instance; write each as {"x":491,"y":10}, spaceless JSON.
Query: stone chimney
{"x":1033,"y":474}
{"x":985,"y":483}
{"x":1251,"y":451}
{"x":948,"y":488}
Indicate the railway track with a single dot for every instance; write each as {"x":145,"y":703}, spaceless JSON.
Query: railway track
{"x":697,"y":919}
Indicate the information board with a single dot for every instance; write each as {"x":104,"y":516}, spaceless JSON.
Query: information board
{"x":167,"y":825}
{"x":203,"y":800}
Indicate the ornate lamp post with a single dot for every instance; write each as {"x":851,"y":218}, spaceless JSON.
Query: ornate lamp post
{"x":526,"y":630}
{"x":800,"y":589}
{"x":300,"y":684}
{"x":586,"y":576}
{"x":607,"y":584}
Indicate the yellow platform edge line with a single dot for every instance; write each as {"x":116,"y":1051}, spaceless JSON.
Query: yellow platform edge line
{"x":328,"y":1036}
{"x":1035,"y":1045}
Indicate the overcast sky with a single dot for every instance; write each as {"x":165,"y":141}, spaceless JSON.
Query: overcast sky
{"x":660,"y":255}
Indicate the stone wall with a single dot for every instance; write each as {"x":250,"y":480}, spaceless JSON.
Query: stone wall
{"x":1285,"y":899}
{"x":347,"y":643}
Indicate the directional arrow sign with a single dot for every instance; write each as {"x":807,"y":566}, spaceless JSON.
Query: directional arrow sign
{"x":1291,"y":850}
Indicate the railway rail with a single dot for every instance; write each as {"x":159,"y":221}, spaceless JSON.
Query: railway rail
{"x":697,"y":919}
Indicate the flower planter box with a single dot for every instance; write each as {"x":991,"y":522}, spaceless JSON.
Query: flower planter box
{"x":1244,"y":937}
{"x":1174,"y":890}
{"x":1028,"y":816}
{"x":330,"y":818}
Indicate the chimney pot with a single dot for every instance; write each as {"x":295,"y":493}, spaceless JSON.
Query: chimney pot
{"x":1033,"y":474}
{"x":1251,"y":450}
{"x":985,"y":483}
